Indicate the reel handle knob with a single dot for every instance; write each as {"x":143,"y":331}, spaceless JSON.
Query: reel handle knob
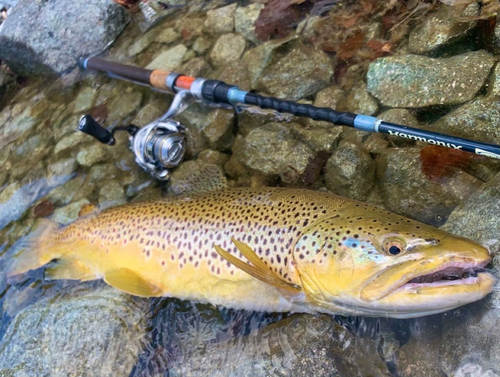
{"x":90,"y":126}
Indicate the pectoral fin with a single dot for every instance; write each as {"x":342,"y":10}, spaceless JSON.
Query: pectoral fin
{"x":128,"y":281}
{"x":258,"y":269}
{"x":69,"y":269}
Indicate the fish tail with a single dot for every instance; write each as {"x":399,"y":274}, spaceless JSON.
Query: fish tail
{"x":36,"y":250}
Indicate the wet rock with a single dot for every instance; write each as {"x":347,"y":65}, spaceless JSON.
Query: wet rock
{"x":258,"y":58}
{"x":63,"y":167}
{"x":202,"y":45}
{"x":16,"y":199}
{"x":152,"y":12}
{"x":73,"y":190}
{"x":441,"y":28}
{"x":297,"y":74}
{"x":478,"y":218}
{"x":475,"y":120}
{"x":99,"y":331}
{"x":190,"y":27}
{"x":213,"y":157}
{"x":494,"y":85}
{"x":421,"y":355}
{"x":407,"y":191}
{"x":359,"y":101}
{"x":413,"y":81}
{"x":167,"y":35}
{"x":143,"y":189}
{"x":215,"y":126}
{"x":111,"y":194}
{"x":35,"y":39}
{"x":319,"y":139}
{"x":123,"y":104}
{"x":244,"y":21}
{"x":19,"y":124}
{"x":71,"y":141}
{"x":350,"y":171}
{"x":101,"y":172}
{"x":169,"y":60}
{"x":142,"y":43}
{"x":471,"y":342}
{"x":85,"y":99}
{"x":272,"y":150}
{"x":92,"y":154}
{"x":228,"y":48}
{"x":151,"y":111}
{"x":376,"y":143}
{"x":196,"y":67}
{"x":221,"y":20}
{"x":68,"y":213}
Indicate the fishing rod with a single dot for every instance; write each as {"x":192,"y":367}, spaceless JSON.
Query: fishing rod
{"x":218,"y":92}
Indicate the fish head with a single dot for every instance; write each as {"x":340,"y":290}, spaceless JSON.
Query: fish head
{"x":367,"y":261}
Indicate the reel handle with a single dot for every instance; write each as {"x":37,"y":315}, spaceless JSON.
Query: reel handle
{"x":90,"y":126}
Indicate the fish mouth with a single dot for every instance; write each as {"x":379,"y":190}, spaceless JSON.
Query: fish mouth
{"x":413,"y":277}
{"x":453,"y":273}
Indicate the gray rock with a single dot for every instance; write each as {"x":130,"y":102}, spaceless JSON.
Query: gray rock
{"x":102,"y":172}
{"x":190,"y":27}
{"x":151,"y":111}
{"x":170,"y":59}
{"x":214,"y":125}
{"x":407,"y":191}
{"x":111,"y":194}
{"x":441,"y":28}
{"x":71,"y":141}
{"x":68,"y":213}
{"x":85,"y":99}
{"x":258,"y":58}
{"x":350,"y":171}
{"x":297,"y":74}
{"x":478,"y":218}
{"x":99,"y":331}
{"x":123,"y":104}
{"x":272,"y":150}
{"x":227,"y":48}
{"x":167,"y":35}
{"x":16,"y":199}
{"x":202,"y":45}
{"x":17,"y":126}
{"x":73,"y":190}
{"x":92,"y":154}
{"x":359,"y":101}
{"x":63,"y":167}
{"x":476,"y":120}
{"x":221,"y":20}
{"x":244,"y":20}
{"x":417,"y":81}
{"x":142,"y":43}
{"x":471,"y":342}
{"x":319,"y":139}
{"x":196,"y":67}
{"x":47,"y":37}
{"x":494,"y":85}
{"x":9,"y":3}
{"x":213,"y":157}
{"x":496,"y":38}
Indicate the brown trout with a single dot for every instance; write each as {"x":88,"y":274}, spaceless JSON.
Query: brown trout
{"x":268,"y":249}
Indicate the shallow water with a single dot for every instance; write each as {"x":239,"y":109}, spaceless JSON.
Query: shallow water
{"x":45,"y":160}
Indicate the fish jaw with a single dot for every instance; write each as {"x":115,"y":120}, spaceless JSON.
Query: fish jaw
{"x":440,"y":280}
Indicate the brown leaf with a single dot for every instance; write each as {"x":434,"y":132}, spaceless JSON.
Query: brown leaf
{"x":99,"y":113}
{"x":350,"y":47}
{"x":439,"y":162}
{"x":44,"y":208}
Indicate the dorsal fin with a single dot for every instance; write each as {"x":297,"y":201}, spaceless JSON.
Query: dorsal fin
{"x":258,"y":269}
{"x":87,"y":209}
{"x":193,"y":177}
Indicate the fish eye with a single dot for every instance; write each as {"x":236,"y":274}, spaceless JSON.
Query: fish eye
{"x":395,"y":250}
{"x":394,"y":246}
